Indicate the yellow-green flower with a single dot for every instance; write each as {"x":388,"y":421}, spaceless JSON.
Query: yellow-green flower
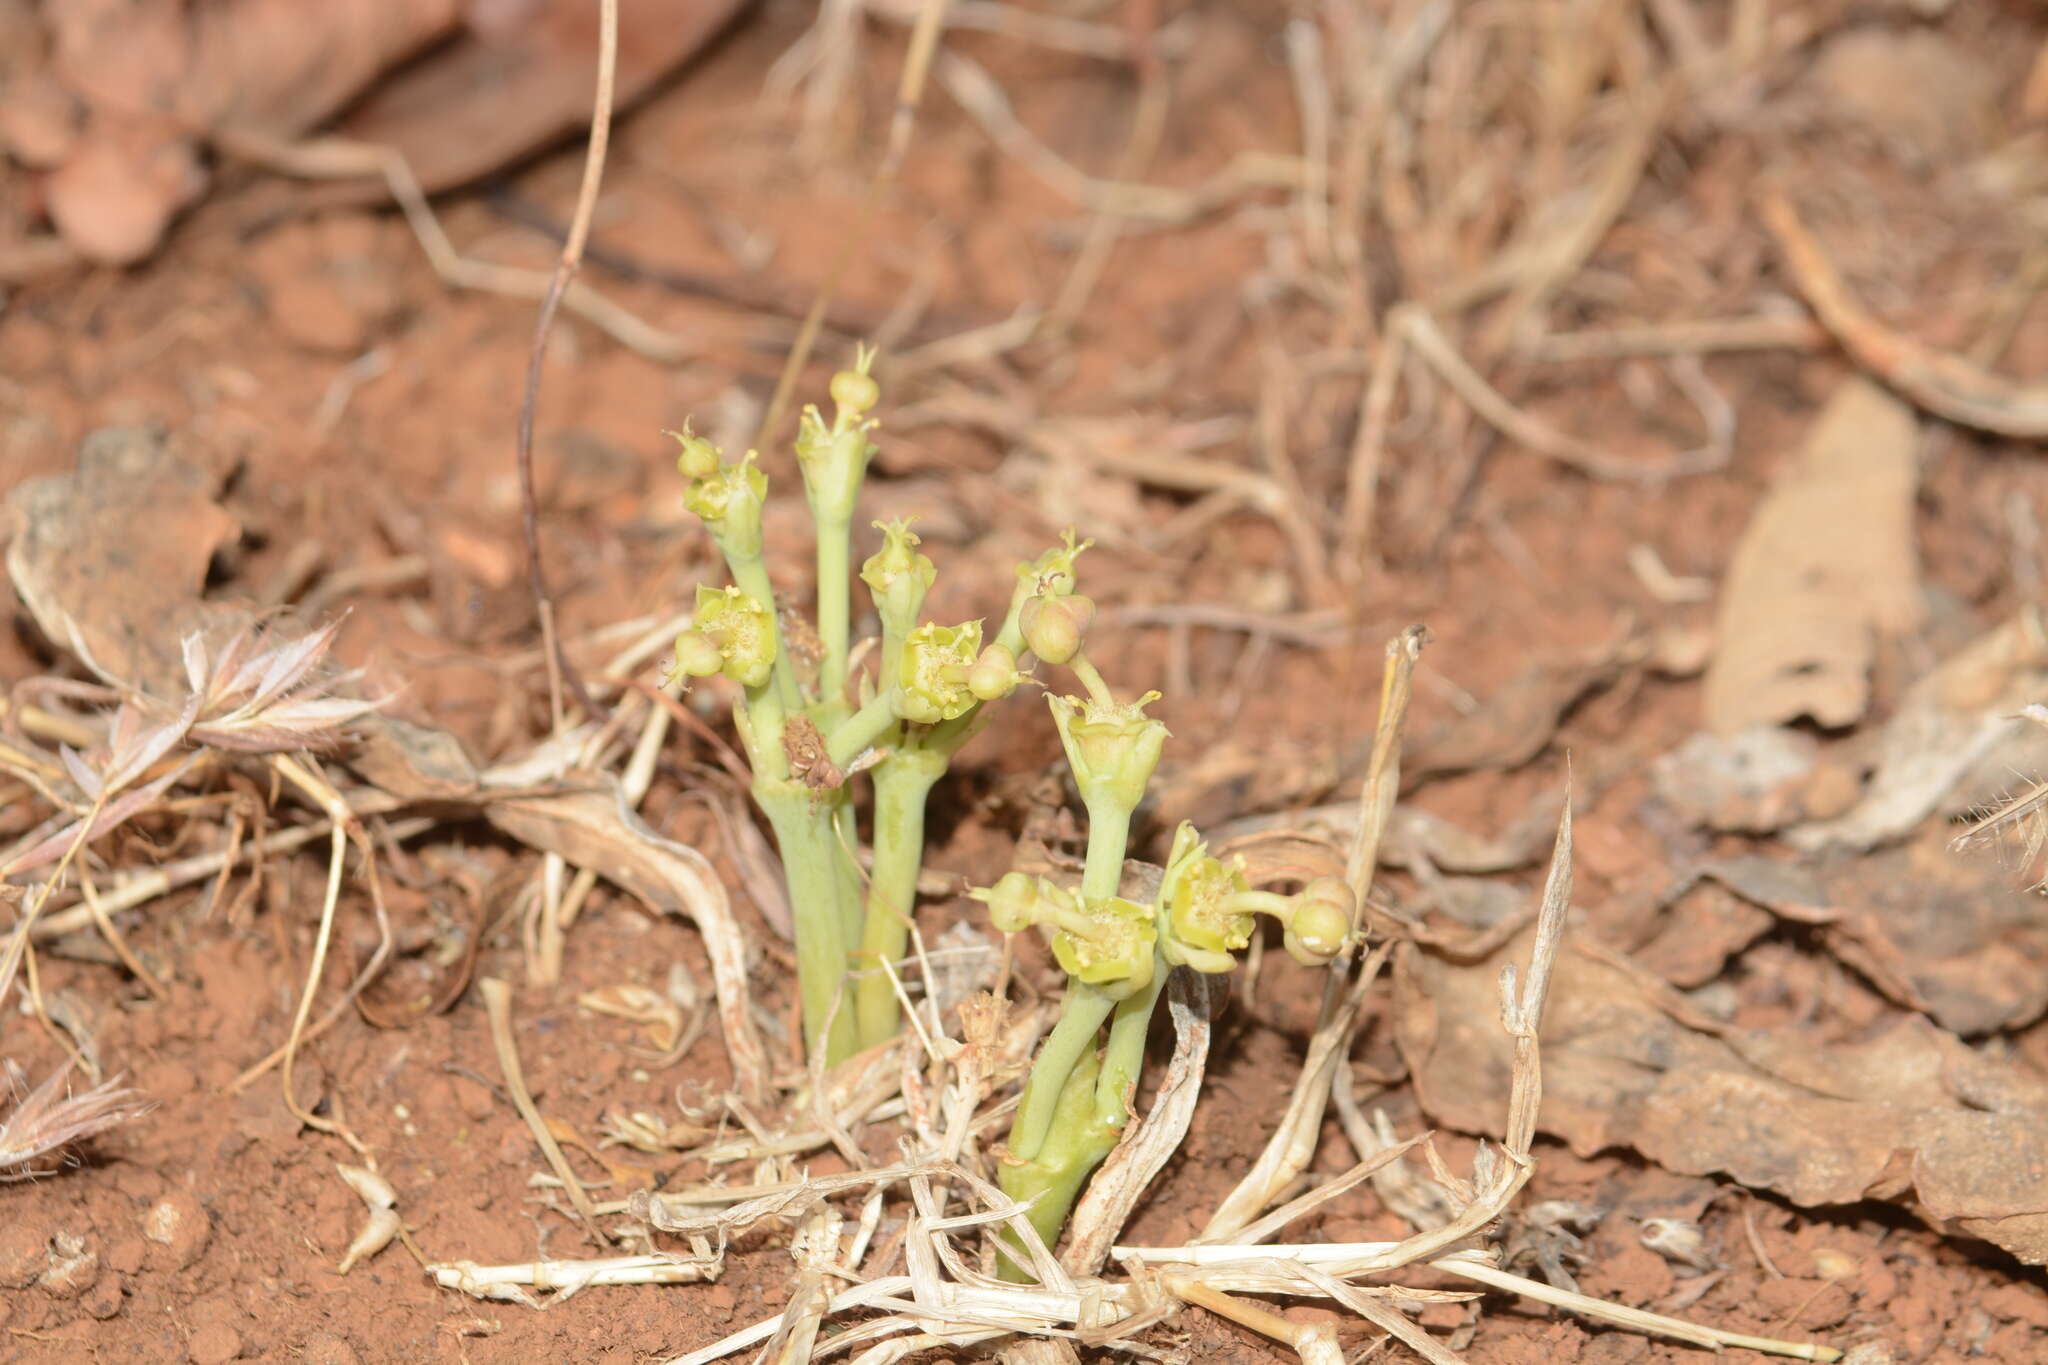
{"x":742,"y":629}
{"x":937,"y":661}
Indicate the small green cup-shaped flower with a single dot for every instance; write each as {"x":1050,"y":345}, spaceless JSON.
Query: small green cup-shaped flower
{"x":835,"y":458}
{"x":1204,"y":929}
{"x":1052,"y":573}
{"x":1111,"y":747}
{"x":1108,"y":943}
{"x":1056,"y":627}
{"x":994,"y":675}
{"x":697,"y":656}
{"x":898,"y":576}
{"x":728,"y":500}
{"x":937,"y":661}
{"x":1322,"y":921}
{"x":742,"y":629}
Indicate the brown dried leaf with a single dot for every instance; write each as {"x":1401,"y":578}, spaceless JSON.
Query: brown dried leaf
{"x":1906,"y":1111}
{"x":1827,"y":561}
{"x":111,"y":558}
{"x":1964,"y":713}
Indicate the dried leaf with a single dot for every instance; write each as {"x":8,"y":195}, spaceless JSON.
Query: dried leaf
{"x":111,"y":558}
{"x":1965,"y":712}
{"x":1827,"y":562}
{"x":1909,"y":1110}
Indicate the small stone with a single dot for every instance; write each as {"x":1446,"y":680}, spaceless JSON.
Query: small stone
{"x":24,"y":1253}
{"x":73,"y":1267}
{"x":179,"y":1224}
{"x":215,"y":1344}
{"x":325,"y":1348}
{"x":127,"y":1256}
{"x":107,"y":1297}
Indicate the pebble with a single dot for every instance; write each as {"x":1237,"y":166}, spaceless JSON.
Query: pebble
{"x":73,"y":1267}
{"x":215,"y":1344}
{"x":178,"y":1223}
{"x":325,"y":1348}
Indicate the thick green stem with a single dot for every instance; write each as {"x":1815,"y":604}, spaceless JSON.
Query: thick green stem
{"x":1076,"y":1146}
{"x":761,"y":723}
{"x":835,"y":545}
{"x":903,"y":782}
{"x":750,"y":575}
{"x":1070,"y":1045}
{"x":1109,"y":833}
{"x":821,"y":891}
{"x":1124,"y":1057}
{"x":859,"y":731}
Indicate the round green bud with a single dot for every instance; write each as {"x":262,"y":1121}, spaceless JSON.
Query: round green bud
{"x":1012,"y":902}
{"x":697,"y":657}
{"x":855,"y":394}
{"x":1321,"y":923}
{"x":1054,"y":627}
{"x":698,"y":458}
{"x":994,"y":674}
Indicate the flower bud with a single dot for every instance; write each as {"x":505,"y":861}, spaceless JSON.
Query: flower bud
{"x":898,"y":576}
{"x":698,"y":458}
{"x":994,"y":675}
{"x":729,"y":502}
{"x":1052,"y":573}
{"x":936,"y":662}
{"x":1055,"y":627}
{"x":696,"y":656}
{"x":1015,"y":902}
{"x":1321,"y":921}
{"x":854,"y":394}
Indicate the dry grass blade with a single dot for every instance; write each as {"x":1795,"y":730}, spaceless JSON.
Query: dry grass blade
{"x":44,"y":1121}
{"x":560,"y":672}
{"x":1292,"y":1146}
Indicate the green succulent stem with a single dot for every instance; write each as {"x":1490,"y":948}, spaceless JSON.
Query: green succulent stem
{"x":1263,"y":903}
{"x":1091,"y":678}
{"x":761,"y":723}
{"x":1051,"y":1181}
{"x":750,"y":576}
{"x":835,"y":551}
{"x":859,"y":732}
{"x":1109,"y":832}
{"x":1124,"y":1056}
{"x":1068,"y":1048}
{"x":823,"y":898}
{"x":1075,"y":1120}
{"x":903,"y":784}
